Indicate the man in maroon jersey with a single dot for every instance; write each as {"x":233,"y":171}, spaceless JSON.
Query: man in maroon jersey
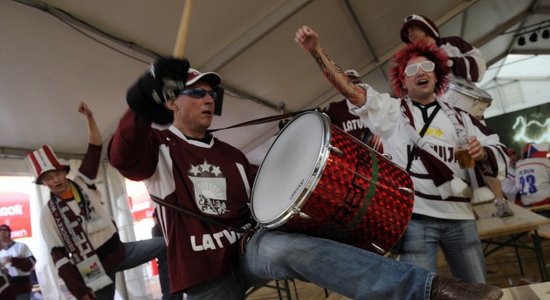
{"x":202,"y":185}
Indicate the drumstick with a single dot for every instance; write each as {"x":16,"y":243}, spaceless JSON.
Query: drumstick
{"x":183,"y":29}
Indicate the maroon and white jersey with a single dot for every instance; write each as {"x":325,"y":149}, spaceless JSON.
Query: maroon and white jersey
{"x":19,"y":270}
{"x":22,"y":260}
{"x":211,"y":179}
{"x":6,"y":292}
{"x":467,"y":60}
{"x":385,"y":117}
{"x":340,"y":116}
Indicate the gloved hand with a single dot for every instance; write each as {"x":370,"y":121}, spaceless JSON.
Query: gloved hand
{"x":503,"y":210}
{"x":162,"y":82}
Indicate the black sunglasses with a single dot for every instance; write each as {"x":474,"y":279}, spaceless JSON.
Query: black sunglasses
{"x":198,"y":93}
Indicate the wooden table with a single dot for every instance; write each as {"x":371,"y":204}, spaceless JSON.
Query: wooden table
{"x":544,"y":231}
{"x":540,"y":208}
{"x":511,"y":229}
{"x":535,"y":291}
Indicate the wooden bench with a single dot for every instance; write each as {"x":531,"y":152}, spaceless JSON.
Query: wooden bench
{"x":497,"y":233}
{"x":534,"y":291}
{"x":540,"y":208}
{"x":544,"y":231}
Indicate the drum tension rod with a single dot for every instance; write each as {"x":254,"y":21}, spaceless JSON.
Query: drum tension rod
{"x":304,"y":216}
{"x":301,"y":214}
{"x":336,"y":150}
{"x":405,"y":189}
{"x":378,"y":248}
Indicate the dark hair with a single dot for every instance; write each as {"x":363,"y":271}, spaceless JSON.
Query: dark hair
{"x":5,"y":227}
{"x":432,"y":53}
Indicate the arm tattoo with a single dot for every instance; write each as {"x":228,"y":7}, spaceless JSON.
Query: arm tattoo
{"x":347,"y":88}
{"x":329,"y":74}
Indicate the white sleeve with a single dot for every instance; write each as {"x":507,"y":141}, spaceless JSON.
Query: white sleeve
{"x":380,"y":112}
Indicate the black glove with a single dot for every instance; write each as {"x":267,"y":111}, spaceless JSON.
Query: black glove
{"x":161,"y":83}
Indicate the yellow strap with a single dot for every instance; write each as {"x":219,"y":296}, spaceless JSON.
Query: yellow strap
{"x":75,"y":192}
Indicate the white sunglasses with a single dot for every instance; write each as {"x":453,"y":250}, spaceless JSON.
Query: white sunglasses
{"x":426,"y":66}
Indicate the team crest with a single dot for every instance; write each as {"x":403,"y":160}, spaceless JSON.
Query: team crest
{"x":210,"y":188}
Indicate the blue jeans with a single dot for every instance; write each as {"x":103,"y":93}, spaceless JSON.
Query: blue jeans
{"x":163,"y":271}
{"x":458,"y":239}
{"x":344,"y":269}
{"x":25,"y":296}
{"x":135,"y":254}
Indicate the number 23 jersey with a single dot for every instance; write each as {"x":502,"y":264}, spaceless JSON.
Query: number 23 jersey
{"x":533,"y":180}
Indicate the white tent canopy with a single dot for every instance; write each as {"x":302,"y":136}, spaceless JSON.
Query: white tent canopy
{"x":56,"y":53}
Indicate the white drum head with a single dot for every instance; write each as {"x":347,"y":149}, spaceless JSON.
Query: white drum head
{"x":290,"y":169}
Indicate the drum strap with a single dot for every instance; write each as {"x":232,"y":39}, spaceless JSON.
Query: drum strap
{"x":263,"y":120}
{"x":195,"y":215}
{"x":444,"y":179}
{"x":422,"y":132}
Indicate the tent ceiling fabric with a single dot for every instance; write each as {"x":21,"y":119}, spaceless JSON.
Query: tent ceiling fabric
{"x":49,"y":64}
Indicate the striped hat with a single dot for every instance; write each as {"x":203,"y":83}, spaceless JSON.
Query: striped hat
{"x":423,"y":22}
{"x":44,"y":160}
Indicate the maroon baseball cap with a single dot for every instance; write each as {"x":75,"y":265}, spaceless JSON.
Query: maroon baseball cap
{"x":423,"y":22}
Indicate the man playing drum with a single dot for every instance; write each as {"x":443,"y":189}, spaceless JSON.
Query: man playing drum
{"x":467,"y":66}
{"x":209,"y":181}
{"x":420,"y":132}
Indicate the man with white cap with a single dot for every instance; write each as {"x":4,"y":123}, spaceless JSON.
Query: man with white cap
{"x":202,"y":188}
{"x":340,"y":116}
{"x":80,"y":233}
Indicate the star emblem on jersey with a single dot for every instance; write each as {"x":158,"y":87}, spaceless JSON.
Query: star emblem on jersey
{"x":210,"y":188}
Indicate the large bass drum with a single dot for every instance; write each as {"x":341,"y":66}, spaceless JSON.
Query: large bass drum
{"x":320,"y":181}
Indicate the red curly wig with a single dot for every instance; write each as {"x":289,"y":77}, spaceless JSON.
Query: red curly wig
{"x":431,"y":52}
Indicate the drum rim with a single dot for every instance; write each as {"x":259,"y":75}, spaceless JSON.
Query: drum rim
{"x":321,"y":162}
{"x":456,"y":86}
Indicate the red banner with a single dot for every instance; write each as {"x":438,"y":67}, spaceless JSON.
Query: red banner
{"x":15,"y":211}
{"x":140,"y":206}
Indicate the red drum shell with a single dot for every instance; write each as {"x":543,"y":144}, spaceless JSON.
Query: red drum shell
{"x":355,"y":195}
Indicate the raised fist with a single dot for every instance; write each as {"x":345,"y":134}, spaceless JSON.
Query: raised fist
{"x":306,"y":38}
